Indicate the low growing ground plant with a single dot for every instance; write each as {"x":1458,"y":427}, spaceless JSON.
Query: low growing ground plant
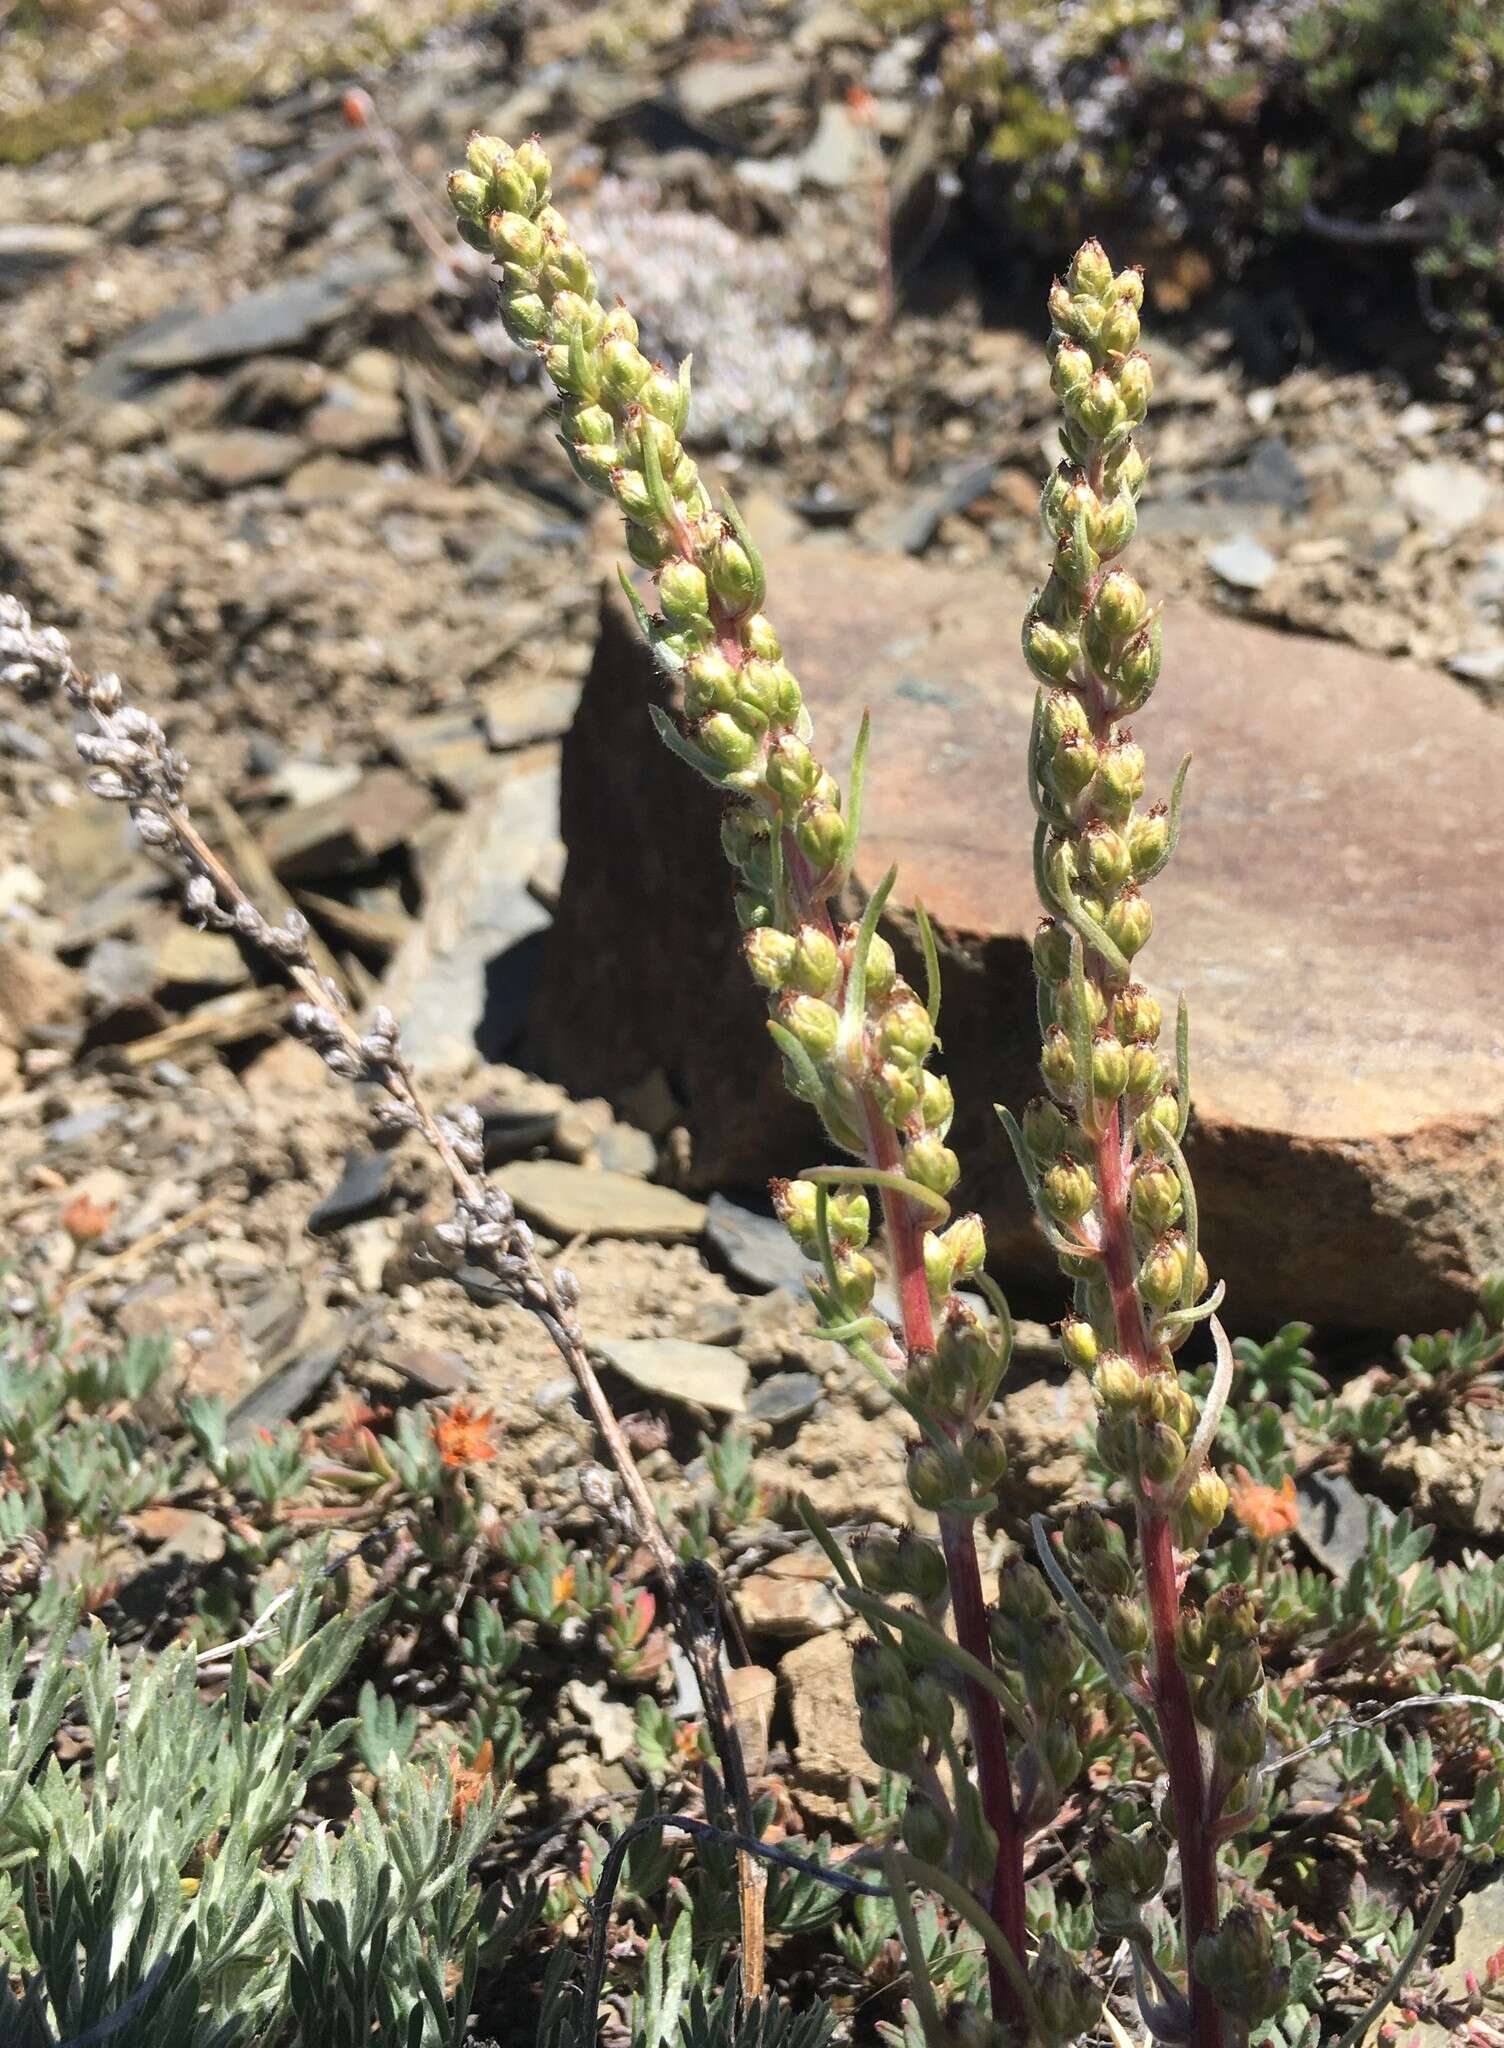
{"x":1095,"y":1818}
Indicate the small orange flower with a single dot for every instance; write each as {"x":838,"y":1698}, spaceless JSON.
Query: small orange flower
{"x":1264,"y":1511}
{"x":464,"y":1436}
{"x":470,"y":1781}
{"x":86,"y":1218}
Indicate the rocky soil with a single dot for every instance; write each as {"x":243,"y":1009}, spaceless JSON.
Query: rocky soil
{"x":266,"y":452}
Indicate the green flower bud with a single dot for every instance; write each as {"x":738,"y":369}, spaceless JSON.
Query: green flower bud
{"x":791,"y":769}
{"x":663,"y":397}
{"x":1120,"y":779}
{"x":710,"y":683}
{"x":1078,"y":1343}
{"x":1053,"y":1655}
{"x":939,"y":1266}
{"x":1161,"y":1452}
{"x":920,"y":1569}
{"x":1085,"y":1531}
{"x":987,"y":1462}
{"x":595,"y":466}
{"x":814,"y":1023}
{"x":1138,"y":666}
{"x":632,"y":495}
{"x":932,"y":1163}
{"x":1065,"y":1005}
{"x":936,"y":1478}
{"x":624,"y":370}
{"x":682,"y":592}
{"x":516,"y":239}
{"x":897,"y":1091}
{"x":645,"y":544}
{"x":530,"y":159}
{"x":1146,"y":1076}
{"x":1149,"y":840}
{"x":1135,"y":1015}
{"x":1058,"y":1063}
{"x":1117,"y":525}
{"x":848,"y":1214}
{"x":1120,"y":328}
{"x":1239,"y":1736}
{"x":1071,"y":766}
{"x":856,"y":1281}
{"x":1097,"y":407}
{"x":890,"y":1733}
{"x":1045,"y":1129}
{"x":1491,"y":1298}
{"x":1125,"y":470}
{"x":1052,"y":950}
{"x":1062,"y":713}
{"x":525,"y":317}
{"x":1135,"y":379}
{"x":905,"y":1030}
{"x":1126,"y":1627}
{"x":1116,"y":1384}
{"x":1154,"y":1201}
{"x":1090,"y":271}
{"x":970,"y":1357}
{"x":934,"y":1706}
{"x":795,"y":1205}
{"x":1104,"y":854}
{"x":1237,"y":1966}
{"x":882,"y":968}
{"x":815,"y":965}
{"x":1202,"y":1511}
{"x":1239,"y":1676}
{"x":1072,"y":368}
{"x":1022,"y":1594}
{"x":1067,"y":1189}
{"x":1119,"y":605}
{"x":1164,"y":1399}
{"x":878,"y":1671}
{"x":770,"y":956}
{"x":926,"y":1831}
{"x":937,"y":1103}
{"x":875,"y":1555}
{"x":726,"y":743}
{"x":470,"y":194}
{"x":1109,"y":1067}
{"x":1161,"y":1277}
{"x":760,"y":639}
{"x":821,"y":836}
{"x":753,"y":910}
{"x":1050,"y":652}
{"x":566,"y":268}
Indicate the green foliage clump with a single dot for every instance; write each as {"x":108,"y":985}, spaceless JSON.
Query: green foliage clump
{"x":1276,"y":133}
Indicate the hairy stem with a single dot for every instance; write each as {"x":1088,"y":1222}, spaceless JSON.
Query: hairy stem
{"x":984,"y":1716}
{"x":1172,"y":1697}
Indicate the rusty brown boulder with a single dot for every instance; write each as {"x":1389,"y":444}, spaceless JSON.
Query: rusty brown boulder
{"x":1334,"y":915}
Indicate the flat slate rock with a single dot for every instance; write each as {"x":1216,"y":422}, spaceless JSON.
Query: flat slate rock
{"x":582,"y":1201}
{"x":275,"y":316}
{"x":1332,"y":915}
{"x":674,"y":1369}
{"x":757,"y":1250}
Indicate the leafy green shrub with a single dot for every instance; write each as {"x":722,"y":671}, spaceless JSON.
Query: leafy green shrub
{"x":1288,"y":137}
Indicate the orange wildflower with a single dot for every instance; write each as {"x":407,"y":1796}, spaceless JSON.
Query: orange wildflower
{"x":464,"y":1436}
{"x":1264,"y":1511}
{"x":86,"y":1218}
{"x":470,"y":1781}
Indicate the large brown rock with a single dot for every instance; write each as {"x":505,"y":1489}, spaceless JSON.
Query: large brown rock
{"x":1333,"y":914}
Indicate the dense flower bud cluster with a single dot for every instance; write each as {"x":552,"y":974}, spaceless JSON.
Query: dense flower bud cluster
{"x":1101,"y":1151}
{"x":855,"y":1036}
{"x":1094,"y":646}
